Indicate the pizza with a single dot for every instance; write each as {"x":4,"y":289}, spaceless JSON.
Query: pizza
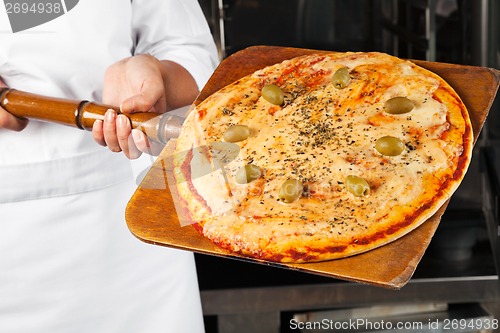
{"x":322,"y":156}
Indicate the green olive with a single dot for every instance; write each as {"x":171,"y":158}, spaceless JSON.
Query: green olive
{"x":341,"y":78}
{"x":247,"y":174}
{"x":389,"y":146}
{"x":236,"y":133}
{"x":357,"y":186}
{"x":273,"y":94}
{"x":290,"y":190}
{"x":398,"y":105}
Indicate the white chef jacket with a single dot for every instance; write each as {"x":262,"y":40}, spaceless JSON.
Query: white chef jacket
{"x":67,"y":260}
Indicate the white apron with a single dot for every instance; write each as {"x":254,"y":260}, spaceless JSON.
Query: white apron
{"x":67,"y":260}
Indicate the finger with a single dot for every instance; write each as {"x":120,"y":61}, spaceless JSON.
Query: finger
{"x":11,"y":122}
{"x":125,"y":140}
{"x":97,"y":132}
{"x":140,"y":140}
{"x":109,"y":130}
{"x":145,"y":145}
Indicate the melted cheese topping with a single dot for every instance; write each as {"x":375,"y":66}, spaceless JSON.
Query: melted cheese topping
{"x":320,"y":136}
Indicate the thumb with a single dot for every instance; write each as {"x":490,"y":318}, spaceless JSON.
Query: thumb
{"x":150,"y":98}
{"x":137,"y":103}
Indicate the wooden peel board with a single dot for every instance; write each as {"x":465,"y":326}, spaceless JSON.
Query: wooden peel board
{"x":151,"y":215}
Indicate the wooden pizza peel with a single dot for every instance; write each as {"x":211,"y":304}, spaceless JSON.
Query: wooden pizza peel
{"x":152,"y":216}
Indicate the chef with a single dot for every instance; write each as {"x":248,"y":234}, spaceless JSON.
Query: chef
{"x":67,"y":260}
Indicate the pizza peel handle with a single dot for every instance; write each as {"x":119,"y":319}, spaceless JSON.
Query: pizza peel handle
{"x":82,"y":114}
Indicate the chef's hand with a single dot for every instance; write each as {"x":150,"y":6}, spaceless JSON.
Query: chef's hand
{"x":140,"y":83}
{"x":136,"y":85}
{"x":8,"y":121}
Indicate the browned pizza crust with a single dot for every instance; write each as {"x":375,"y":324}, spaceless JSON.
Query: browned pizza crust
{"x":320,"y":136}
